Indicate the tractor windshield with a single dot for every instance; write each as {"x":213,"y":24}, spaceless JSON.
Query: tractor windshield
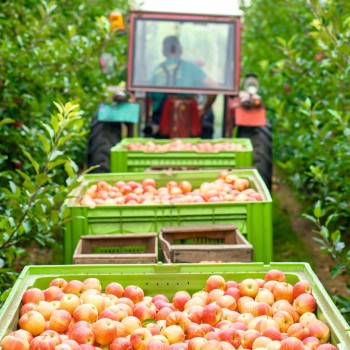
{"x":187,"y":54}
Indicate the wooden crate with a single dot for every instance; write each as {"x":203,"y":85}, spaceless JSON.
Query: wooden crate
{"x":193,"y":244}
{"x":117,"y":249}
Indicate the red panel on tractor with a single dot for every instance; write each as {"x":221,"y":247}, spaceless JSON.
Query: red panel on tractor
{"x":180,"y":118}
{"x":250,"y":117}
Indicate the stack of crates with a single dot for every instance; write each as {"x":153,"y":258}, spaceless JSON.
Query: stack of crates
{"x":134,"y":159}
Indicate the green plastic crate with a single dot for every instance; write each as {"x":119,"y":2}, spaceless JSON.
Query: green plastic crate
{"x":253,"y":219}
{"x":169,"y":278}
{"x":123,"y":160}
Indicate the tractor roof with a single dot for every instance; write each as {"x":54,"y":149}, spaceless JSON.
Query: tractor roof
{"x":201,"y":7}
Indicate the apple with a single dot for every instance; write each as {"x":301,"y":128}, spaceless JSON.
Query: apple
{"x":241,"y":326}
{"x":284,"y":305}
{"x":265,"y":295}
{"x":52,"y":335}
{"x":131,"y":323}
{"x":270,"y":285}
{"x":257,"y":308}
{"x":74,"y":287}
{"x":21,"y":333}
{"x":301,"y":287}
{"x":212,"y":344}
{"x":143,"y":312}
{"x":179,"y":300}
{"x":85,"y":312}
{"x":275,"y":275}
{"x":42,"y":342}
{"x":298,"y":330}
{"x":96,"y":299}
{"x":196,"y":301}
{"x":178,"y":318}
{"x":163,"y":313}
{"x":88,"y":347}
{"x":60,"y":320}
{"x":115,"y":288}
{"x":212,"y":335}
{"x":284,"y":320}
{"x":75,"y":325}
{"x":319,"y":330}
{"x":27,"y":307}
{"x":82,"y":335}
{"x":249,"y":287}
{"x":231,"y":336}
{"x":92,"y":283}
{"x":223,"y":324}
{"x":134,"y":293}
{"x":178,"y":346}
{"x":244,"y":317}
{"x":45,"y":308}
{"x":126,"y":304}
{"x":261,"y":323}
{"x":229,"y":315}
{"x":273,"y":333}
{"x":105,"y":330}
{"x":59,"y":282}
{"x":52,"y":292}
{"x":241,"y":301}
{"x":196,"y":343}
{"x":226,"y":346}
{"x":10,"y":342}
{"x":72,"y":343}
{"x":248,"y":337}
{"x":311,"y":343}
{"x":194,"y":313}
{"x":174,"y":334}
{"x":212,"y":314}
{"x":292,"y":343}
{"x":283,"y":291}
{"x":234,"y":292}
{"x":194,"y":330}
{"x":327,"y":346}
{"x":63,"y":347}
{"x":33,"y":295}
{"x":215,"y":282}
{"x":121,"y":329}
{"x":69,"y":302}
{"x":304,"y":303}
{"x":156,"y":344}
{"x":274,"y":345}
{"x":33,"y":322}
{"x":241,"y":184}
{"x":215,"y":295}
{"x":261,"y":342}
{"x":120,"y":344}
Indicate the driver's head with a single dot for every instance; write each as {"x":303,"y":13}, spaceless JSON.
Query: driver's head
{"x":171,"y":46}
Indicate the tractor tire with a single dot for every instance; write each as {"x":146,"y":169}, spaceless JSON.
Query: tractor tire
{"x":261,"y":138}
{"x":103,"y":136}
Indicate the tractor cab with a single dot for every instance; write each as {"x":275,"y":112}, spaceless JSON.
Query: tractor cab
{"x":181,"y":55}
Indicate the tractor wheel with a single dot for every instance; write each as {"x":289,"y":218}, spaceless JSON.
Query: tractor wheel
{"x":103,"y":136}
{"x":261,"y":138}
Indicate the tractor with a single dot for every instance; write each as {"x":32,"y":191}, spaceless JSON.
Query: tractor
{"x":183,"y":56}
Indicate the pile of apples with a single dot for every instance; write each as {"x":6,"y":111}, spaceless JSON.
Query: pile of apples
{"x":256,"y":313}
{"x":226,"y":188}
{"x":181,"y":146}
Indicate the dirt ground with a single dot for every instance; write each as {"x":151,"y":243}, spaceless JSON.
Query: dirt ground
{"x":322,"y":262}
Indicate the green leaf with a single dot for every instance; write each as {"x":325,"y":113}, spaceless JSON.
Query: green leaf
{"x":59,"y":107}
{"x":70,"y":168}
{"x":41,"y":179}
{"x":7,"y":121}
{"x":324,"y":232}
{"x":49,"y":130}
{"x":56,"y":162}
{"x":335,"y":236}
{"x":318,"y":210}
{"x":55,"y":123}
{"x":337,"y":270}
{"x":45,"y":143}
{"x":34,"y":163}
{"x":309,"y":217}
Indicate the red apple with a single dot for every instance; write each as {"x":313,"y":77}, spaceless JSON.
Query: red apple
{"x":320,"y":330}
{"x":21,"y":333}
{"x":227,"y":302}
{"x":10,"y":342}
{"x":284,"y":320}
{"x":234,"y":292}
{"x":45,"y":308}
{"x":105,"y":330}
{"x":92,"y":283}
{"x":261,"y":342}
{"x":131,"y":323}
{"x":72,"y":343}
{"x":85,"y":312}
{"x":248,"y":337}
{"x":33,"y":295}
{"x":95,"y":299}
{"x":327,"y":346}
{"x":231,"y":336}
{"x":52,"y":292}
{"x":301,"y":287}
{"x":304,"y":303}
{"x":163,"y":313}
{"x":298,"y":330}
{"x":211,"y":345}
{"x":74,"y":287}
{"x":178,"y":318}
{"x":212,"y":314}
{"x":283,"y":291}
{"x":134,"y":293}
{"x":59,"y":282}
{"x":60,"y":320}
{"x":272,"y":333}
{"x":156,"y":344}
{"x":292,"y":343}
{"x":215,"y":282}
{"x":265,"y":295}
{"x":143,"y":312}
{"x":196,"y":343}
{"x":178,"y":346}
{"x":179,"y":300}
{"x":261,"y":323}
{"x":33,"y":322}
{"x":42,"y":342}
{"x":120,"y":344}
{"x":257,"y":308}
{"x":194,"y":313}
{"x":275,"y":275}
{"x":115,"y":288}
{"x":194,"y":330}
{"x":82,"y":335}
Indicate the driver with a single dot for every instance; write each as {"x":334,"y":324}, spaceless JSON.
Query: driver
{"x":175,"y":71}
